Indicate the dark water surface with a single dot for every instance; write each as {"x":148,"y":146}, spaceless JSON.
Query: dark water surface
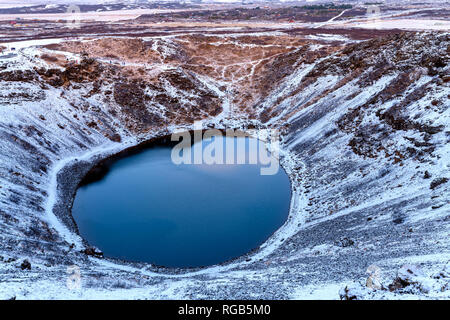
{"x":148,"y":209}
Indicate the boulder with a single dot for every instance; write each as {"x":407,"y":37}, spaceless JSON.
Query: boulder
{"x":411,"y":275}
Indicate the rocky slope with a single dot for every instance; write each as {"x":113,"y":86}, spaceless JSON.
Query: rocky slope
{"x":365,"y":129}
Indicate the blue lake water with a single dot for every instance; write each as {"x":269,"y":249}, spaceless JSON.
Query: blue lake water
{"x":149,"y":209}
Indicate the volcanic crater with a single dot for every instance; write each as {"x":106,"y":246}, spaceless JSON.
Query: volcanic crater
{"x":365,"y":141}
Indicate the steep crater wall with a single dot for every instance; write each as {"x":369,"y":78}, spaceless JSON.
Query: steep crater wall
{"x":365,"y":139}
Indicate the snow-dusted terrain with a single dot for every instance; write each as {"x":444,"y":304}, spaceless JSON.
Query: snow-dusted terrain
{"x":365,"y":141}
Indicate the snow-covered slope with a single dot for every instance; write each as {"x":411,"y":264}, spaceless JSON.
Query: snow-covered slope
{"x":365,"y":129}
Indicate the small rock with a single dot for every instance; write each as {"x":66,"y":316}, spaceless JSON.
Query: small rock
{"x":427,"y":175}
{"x":346,"y":242}
{"x":93,"y":252}
{"x":26,"y":265}
{"x":398,"y":220}
{"x":437,"y":182}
